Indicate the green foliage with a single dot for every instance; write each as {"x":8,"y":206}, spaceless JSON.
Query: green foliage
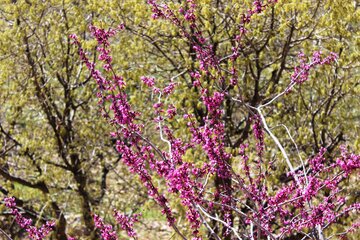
{"x":48,"y":104}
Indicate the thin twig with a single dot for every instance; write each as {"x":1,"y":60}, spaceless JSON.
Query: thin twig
{"x":219,"y":220}
{"x":5,"y":234}
{"x":277,"y":142}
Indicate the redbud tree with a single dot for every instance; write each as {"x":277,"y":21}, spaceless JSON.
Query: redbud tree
{"x":229,"y":192}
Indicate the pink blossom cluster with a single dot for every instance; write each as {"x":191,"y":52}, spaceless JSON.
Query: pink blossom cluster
{"x":309,"y":214}
{"x":26,"y":224}
{"x":258,"y":134}
{"x":149,"y":81}
{"x":107,"y":232}
{"x":258,"y":7}
{"x":127,"y":222}
{"x":119,"y":114}
{"x":301,"y":72}
{"x":189,"y":14}
{"x":348,"y":162}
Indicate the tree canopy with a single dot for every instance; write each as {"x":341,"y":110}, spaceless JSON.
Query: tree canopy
{"x":58,"y":158}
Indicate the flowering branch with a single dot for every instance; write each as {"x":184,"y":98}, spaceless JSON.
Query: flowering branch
{"x":26,"y":224}
{"x":272,"y":214}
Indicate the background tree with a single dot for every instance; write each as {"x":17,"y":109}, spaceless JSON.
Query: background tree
{"x":56,"y":156}
{"x":156,"y":49}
